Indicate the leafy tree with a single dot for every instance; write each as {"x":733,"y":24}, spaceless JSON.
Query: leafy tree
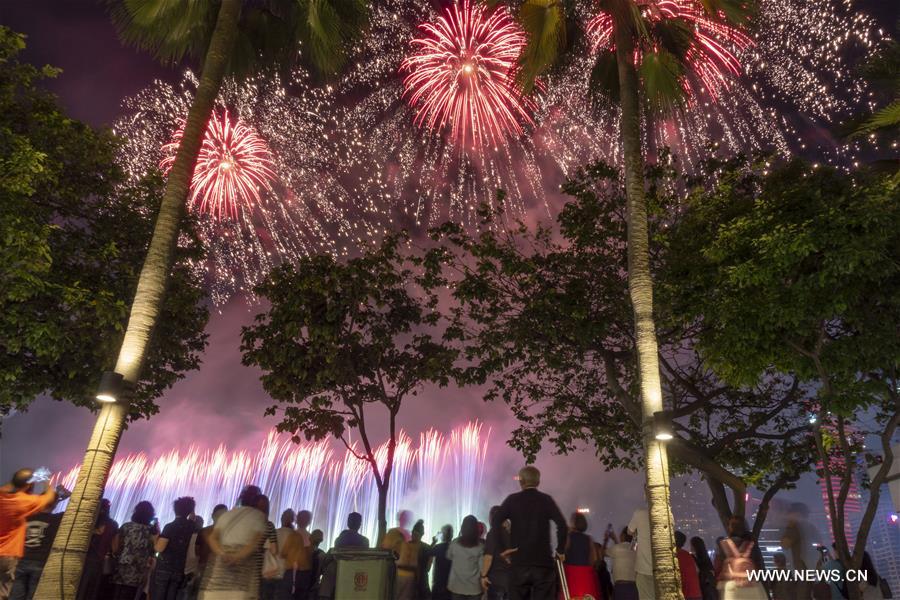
{"x":344,"y":339}
{"x":543,"y":322}
{"x":796,"y":269}
{"x":228,"y":36}
{"x":73,"y":238}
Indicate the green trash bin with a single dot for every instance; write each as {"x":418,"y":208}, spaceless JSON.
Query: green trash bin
{"x":363,"y":574}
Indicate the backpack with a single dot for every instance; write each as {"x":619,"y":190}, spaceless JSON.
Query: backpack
{"x":738,"y":562}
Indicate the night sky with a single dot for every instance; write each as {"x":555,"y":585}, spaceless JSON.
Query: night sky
{"x":224,"y":401}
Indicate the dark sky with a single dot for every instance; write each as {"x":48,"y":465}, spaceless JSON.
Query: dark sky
{"x":223,"y":402}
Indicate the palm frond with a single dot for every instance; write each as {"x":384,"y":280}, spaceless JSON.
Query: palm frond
{"x":327,"y":28}
{"x":662,"y":76}
{"x":626,"y":13}
{"x":604,"y":83}
{"x":884,"y":118}
{"x":544,"y":24}
{"x":675,"y":35}
{"x":882,"y":70}
{"x":169,"y":29}
{"x":271,"y":32}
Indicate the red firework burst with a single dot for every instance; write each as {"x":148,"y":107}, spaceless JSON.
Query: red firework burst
{"x":234,"y":164}
{"x":460,"y":75}
{"x":709,"y":55}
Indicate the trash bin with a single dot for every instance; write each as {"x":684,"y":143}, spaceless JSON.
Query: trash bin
{"x":363,"y":574}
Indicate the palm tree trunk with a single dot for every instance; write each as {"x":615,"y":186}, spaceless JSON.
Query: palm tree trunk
{"x":640,"y":287}
{"x":63,"y":569}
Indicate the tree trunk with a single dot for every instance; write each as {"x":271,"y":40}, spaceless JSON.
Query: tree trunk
{"x":382,"y":514}
{"x":835,"y":507}
{"x":63,"y":568}
{"x":640,"y":287}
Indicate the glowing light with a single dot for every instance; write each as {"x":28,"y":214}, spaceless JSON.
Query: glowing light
{"x":309,"y":476}
{"x":709,"y":55}
{"x":234,"y":164}
{"x":460,"y":75}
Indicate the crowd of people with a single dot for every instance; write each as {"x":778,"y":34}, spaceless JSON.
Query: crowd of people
{"x":525,"y":551}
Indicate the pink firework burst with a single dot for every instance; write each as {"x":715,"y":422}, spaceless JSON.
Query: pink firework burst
{"x":234,"y":164}
{"x":711,"y":55}
{"x":460,"y":75}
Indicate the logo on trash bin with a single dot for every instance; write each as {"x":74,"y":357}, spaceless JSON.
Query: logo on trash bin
{"x":360,"y":581}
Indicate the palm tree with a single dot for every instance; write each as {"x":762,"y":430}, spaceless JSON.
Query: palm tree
{"x":230,"y":38}
{"x":650,"y":61}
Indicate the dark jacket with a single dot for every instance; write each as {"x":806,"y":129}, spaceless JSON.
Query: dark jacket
{"x":530,"y":512}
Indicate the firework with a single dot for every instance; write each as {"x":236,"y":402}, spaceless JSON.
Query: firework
{"x":798,"y":56}
{"x":460,"y":75}
{"x":277,"y":189}
{"x":233,"y":165}
{"x":710,"y":55}
{"x":308,"y":476}
{"x":418,"y":157}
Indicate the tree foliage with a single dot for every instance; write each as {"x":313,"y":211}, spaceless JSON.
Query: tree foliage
{"x":72,"y":239}
{"x":270,"y":32}
{"x":545,"y":323}
{"x":796,"y":269}
{"x":344,"y":338}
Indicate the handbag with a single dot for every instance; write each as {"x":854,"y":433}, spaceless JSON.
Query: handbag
{"x":271,"y":565}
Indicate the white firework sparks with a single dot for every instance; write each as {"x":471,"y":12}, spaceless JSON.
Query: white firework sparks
{"x":305,"y":209}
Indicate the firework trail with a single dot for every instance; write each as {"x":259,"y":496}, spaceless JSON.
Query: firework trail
{"x":431,"y":457}
{"x":346,"y":480}
{"x":308,"y":476}
{"x":468,"y":466}
{"x":287,"y":204}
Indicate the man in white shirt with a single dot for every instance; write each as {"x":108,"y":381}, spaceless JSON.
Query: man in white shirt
{"x":640,"y":525}
{"x":623,"y":558}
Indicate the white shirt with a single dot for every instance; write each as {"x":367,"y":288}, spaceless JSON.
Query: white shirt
{"x":240,"y":525}
{"x":281,"y":536}
{"x":640,"y":523}
{"x":623,"y":558}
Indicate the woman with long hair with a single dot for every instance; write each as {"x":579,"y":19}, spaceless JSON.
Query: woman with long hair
{"x":133,"y":547}
{"x":465,"y":554}
{"x":705,"y":569}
